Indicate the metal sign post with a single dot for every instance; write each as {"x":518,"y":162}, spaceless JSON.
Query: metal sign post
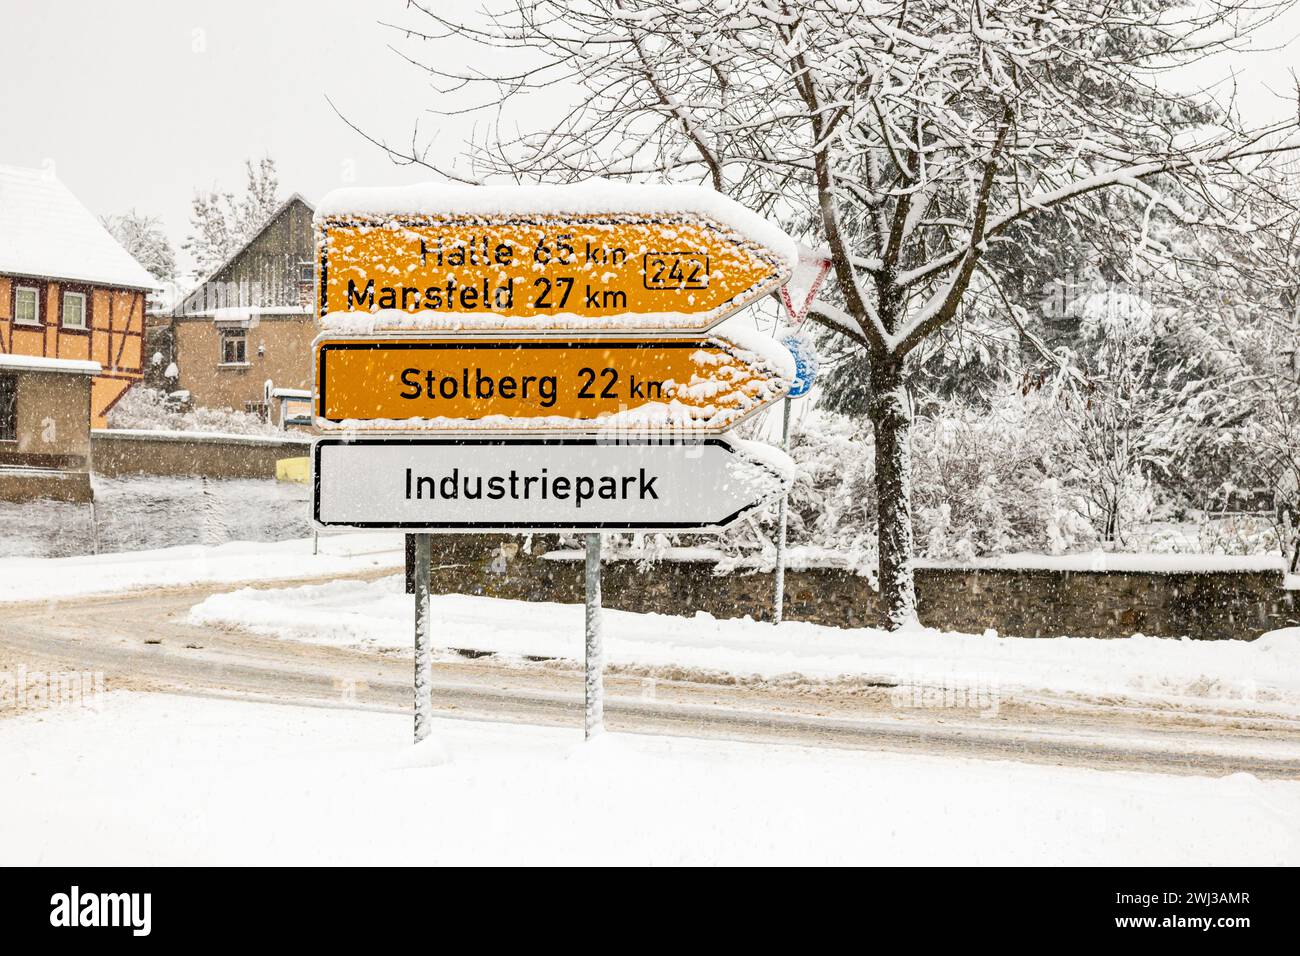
{"x":805,"y":360}
{"x":594,"y":659}
{"x":778,"y":605}
{"x":423,"y":647}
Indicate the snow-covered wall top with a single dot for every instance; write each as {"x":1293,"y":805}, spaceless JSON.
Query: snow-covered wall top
{"x":592,"y":198}
{"x":45,"y":231}
{"x":220,"y":438}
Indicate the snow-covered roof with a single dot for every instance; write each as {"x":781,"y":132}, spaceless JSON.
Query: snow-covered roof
{"x":46,"y":231}
{"x":179,"y":309}
{"x":38,"y":363}
{"x":236,"y":314}
{"x":243,"y":313}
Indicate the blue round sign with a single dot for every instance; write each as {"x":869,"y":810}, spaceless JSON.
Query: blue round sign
{"x":805,"y":363}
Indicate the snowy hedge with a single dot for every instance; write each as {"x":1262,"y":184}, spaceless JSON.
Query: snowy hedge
{"x":1020,"y":472}
{"x":148,"y":408}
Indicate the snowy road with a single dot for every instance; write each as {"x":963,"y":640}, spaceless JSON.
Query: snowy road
{"x":141,"y":641}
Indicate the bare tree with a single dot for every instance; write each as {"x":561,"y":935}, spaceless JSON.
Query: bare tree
{"x":222,"y":222}
{"x":144,"y":237}
{"x":908,"y":137}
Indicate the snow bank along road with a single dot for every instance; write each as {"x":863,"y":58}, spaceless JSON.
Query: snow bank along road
{"x":142,"y":640}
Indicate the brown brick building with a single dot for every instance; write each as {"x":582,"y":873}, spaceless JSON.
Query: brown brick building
{"x":251,"y":322}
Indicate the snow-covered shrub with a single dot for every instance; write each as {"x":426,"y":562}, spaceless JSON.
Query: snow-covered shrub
{"x":833,"y":499}
{"x":985,"y":481}
{"x":1028,"y":469}
{"x":148,"y":409}
{"x":831,"y":518}
{"x":1238,"y":534}
{"x":1134,"y":416}
{"x":990,"y":480}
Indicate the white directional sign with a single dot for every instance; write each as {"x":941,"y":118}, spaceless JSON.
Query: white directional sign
{"x":537,"y":484}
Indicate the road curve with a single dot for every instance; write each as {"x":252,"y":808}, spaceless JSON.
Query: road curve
{"x":140,"y":640}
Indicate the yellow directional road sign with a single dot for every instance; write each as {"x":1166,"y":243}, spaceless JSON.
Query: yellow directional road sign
{"x":555,"y":383}
{"x":683,"y":273}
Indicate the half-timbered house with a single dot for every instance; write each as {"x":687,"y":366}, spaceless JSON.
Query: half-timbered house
{"x":68,"y":290}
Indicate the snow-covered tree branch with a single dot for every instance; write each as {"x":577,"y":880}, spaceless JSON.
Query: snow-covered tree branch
{"x":907,"y":137}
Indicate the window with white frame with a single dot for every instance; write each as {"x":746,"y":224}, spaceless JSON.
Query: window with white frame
{"x":234,"y":347}
{"x":74,"y":310}
{"x":27,"y":305}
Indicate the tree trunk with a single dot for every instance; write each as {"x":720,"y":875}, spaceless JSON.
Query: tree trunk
{"x":1112,"y":524}
{"x":891,"y":421}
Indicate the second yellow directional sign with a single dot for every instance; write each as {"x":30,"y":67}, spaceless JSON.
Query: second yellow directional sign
{"x":555,"y":383}
{"x":544,"y":258}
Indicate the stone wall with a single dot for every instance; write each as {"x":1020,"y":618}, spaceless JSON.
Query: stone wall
{"x":1237,"y":605}
{"x":118,"y":452}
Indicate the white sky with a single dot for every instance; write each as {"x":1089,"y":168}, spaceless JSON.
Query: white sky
{"x":138,"y":102}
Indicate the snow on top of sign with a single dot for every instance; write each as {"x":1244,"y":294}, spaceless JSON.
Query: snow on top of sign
{"x":806,"y":279}
{"x":659,"y":417}
{"x":762,"y":347}
{"x":592,"y":198}
{"x":765,"y":454}
{"x":45,"y":231}
{"x":396,"y":321}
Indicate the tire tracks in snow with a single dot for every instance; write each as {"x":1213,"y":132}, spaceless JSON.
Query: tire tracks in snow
{"x":141,"y":641}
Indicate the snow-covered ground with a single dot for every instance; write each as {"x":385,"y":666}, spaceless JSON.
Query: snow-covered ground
{"x":25,"y":579}
{"x":159,"y":779}
{"x":1262,"y":675}
{"x":140,"y":513}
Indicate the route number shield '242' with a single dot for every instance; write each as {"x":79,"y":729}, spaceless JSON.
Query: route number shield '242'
{"x":561,"y":258}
